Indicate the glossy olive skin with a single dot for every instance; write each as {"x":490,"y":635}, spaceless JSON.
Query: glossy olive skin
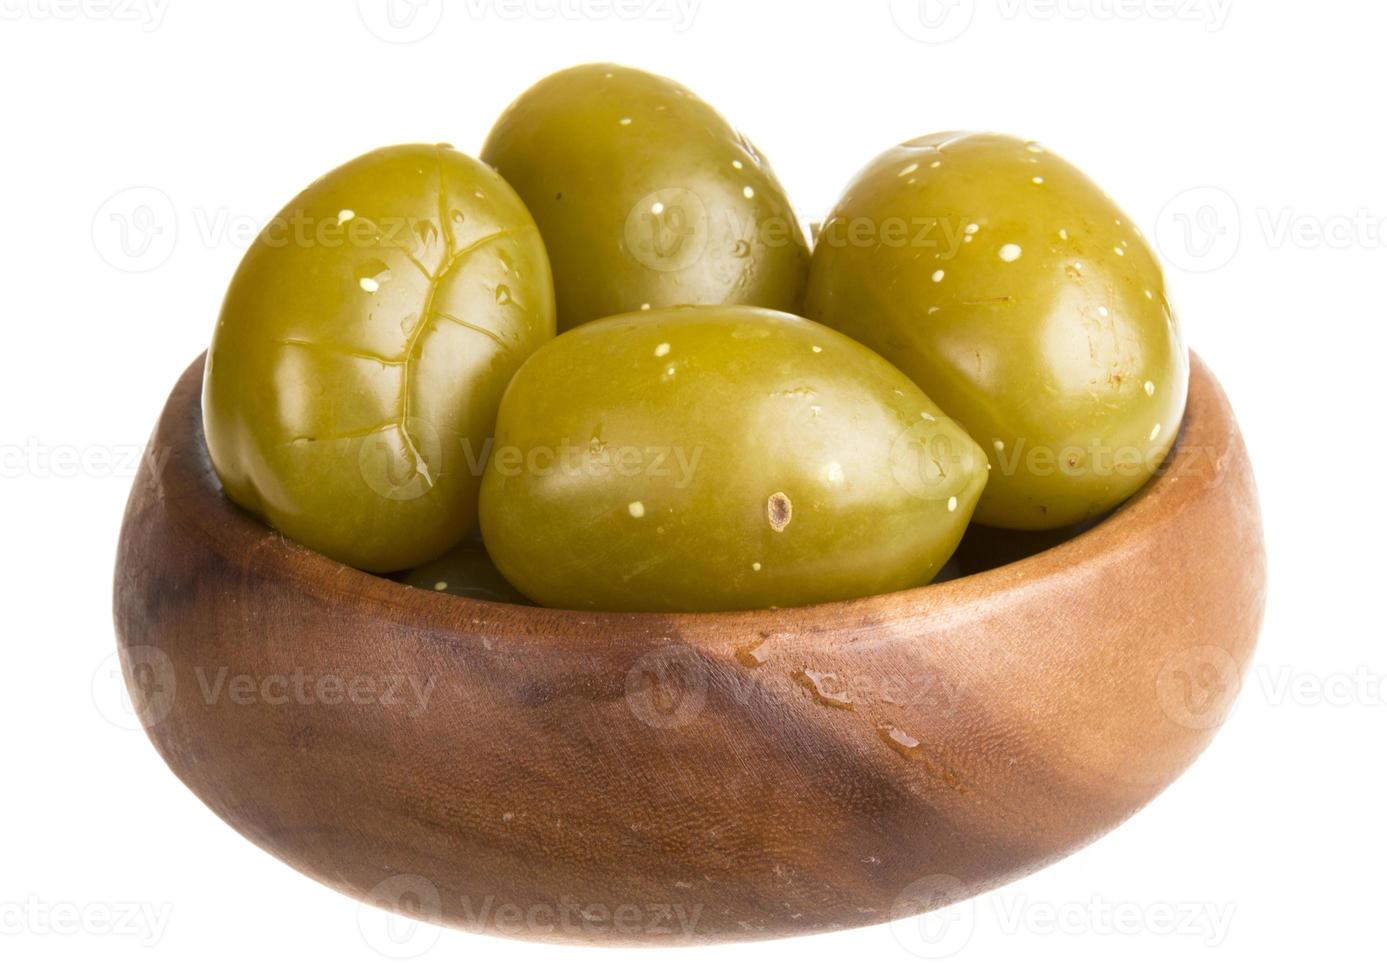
{"x":720,"y":458}
{"x":1009,"y":287}
{"x":646,"y":197}
{"x":466,"y":571}
{"x":362,"y":349}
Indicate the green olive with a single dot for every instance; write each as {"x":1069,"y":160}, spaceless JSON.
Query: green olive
{"x":646,"y":197}
{"x":719,"y":458}
{"x":355,"y":372}
{"x":1010,"y":288}
{"x":466,"y":571}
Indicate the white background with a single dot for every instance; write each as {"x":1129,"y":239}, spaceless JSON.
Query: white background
{"x":1268,"y":854}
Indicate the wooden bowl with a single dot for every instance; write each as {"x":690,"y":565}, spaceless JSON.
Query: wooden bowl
{"x":663,"y":779}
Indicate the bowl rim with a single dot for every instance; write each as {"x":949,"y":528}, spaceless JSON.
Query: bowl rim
{"x":1207,"y":423}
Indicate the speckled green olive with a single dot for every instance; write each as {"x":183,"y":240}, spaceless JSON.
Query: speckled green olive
{"x":719,"y":458}
{"x":646,"y":197}
{"x":355,"y":372}
{"x":466,"y":571}
{"x":1010,"y":288}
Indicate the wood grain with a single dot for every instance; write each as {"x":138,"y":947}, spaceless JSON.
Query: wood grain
{"x":665,"y":779}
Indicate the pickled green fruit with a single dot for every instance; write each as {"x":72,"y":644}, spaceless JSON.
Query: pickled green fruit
{"x":466,"y":571}
{"x":1012,"y":290}
{"x":647,"y":198}
{"x":718,"y":458}
{"x":354,"y":375}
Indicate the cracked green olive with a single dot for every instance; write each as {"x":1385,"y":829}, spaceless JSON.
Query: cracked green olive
{"x":1009,"y":287}
{"x":466,"y":571}
{"x":720,"y":458}
{"x":353,"y":379}
{"x":646,"y":197}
